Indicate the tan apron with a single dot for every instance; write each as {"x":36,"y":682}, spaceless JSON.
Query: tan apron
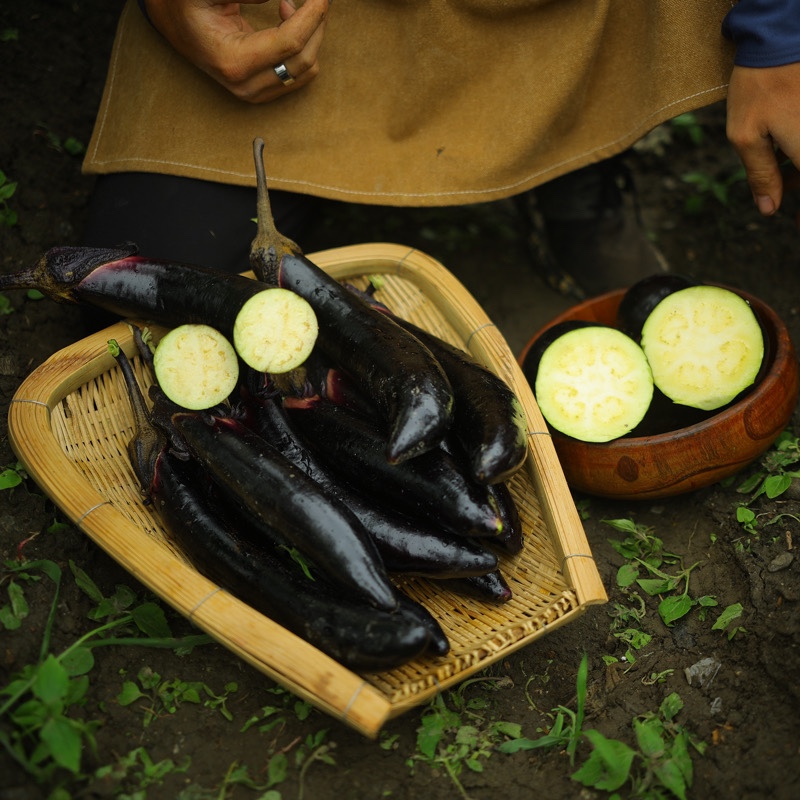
{"x":422,"y":102}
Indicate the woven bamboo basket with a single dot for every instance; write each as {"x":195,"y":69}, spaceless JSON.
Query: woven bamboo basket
{"x":70,"y":422}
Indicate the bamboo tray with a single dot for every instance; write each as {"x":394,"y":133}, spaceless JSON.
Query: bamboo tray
{"x":69,"y":424}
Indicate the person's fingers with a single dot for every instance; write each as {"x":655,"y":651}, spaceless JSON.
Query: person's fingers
{"x":247,"y":62}
{"x":258,"y":82}
{"x":763,"y":173}
{"x":763,"y":124}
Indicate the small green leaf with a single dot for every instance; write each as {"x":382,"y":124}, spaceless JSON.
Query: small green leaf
{"x":63,"y":739}
{"x":510,"y":729}
{"x":654,"y":586}
{"x":277,"y":769}
{"x":85,"y":583}
{"x":51,"y":682}
{"x":776,"y":485}
{"x":626,"y":575}
{"x":129,"y":694}
{"x":608,"y":767}
{"x":671,"y":609}
{"x":9,"y":479}
{"x":671,"y":706}
{"x":670,"y":775}
{"x":649,"y":738}
{"x":727,"y":616}
{"x":744,"y":514}
{"x":150,"y":619}
{"x":78,"y":661}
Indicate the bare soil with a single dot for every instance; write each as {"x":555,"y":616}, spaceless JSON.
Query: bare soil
{"x":748,"y":715}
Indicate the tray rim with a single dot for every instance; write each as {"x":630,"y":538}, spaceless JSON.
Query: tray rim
{"x":330,"y":686}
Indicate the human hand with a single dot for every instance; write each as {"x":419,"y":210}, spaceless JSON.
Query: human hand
{"x":216,"y":38}
{"x":763,"y":125}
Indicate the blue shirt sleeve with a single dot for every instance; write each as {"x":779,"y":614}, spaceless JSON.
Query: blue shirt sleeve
{"x":766,"y":33}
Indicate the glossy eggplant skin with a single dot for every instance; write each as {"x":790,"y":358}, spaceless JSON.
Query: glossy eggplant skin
{"x":431,"y":486}
{"x":391,"y":366}
{"x":245,"y":562}
{"x":124,"y":283}
{"x":406,"y":545}
{"x":488,"y":418}
{"x":492,"y":587}
{"x":253,"y":473}
{"x":358,"y":636}
{"x":512,"y":539}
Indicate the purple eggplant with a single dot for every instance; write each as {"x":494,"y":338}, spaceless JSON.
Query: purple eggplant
{"x":430,"y":486}
{"x":124,"y":283}
{"x":488,"y":418}
{"x":249,"y":565}
{"x":406,"y":545}
{"x":491,"y":587}
{"x":251,"y":471}
{"x":392,"y":367}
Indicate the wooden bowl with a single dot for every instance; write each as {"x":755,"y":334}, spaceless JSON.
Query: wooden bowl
{"x":698,"y":455}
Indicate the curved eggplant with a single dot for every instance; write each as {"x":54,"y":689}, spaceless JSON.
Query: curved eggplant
{"x":512,"y":539}
{"x":357,"y":635}
{"x":430,"y":486}
{"x":393,"y":367}
{"x":406,"y":545}
{"x":488,"y":418}
{"x":253,"y":473}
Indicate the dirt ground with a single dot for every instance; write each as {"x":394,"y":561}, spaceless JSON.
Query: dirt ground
{"x":747,"y":715}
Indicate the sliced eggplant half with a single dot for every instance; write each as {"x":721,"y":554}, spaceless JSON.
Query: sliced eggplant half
{"x":705,"y":346}
{"x":640,"y":299}
{"x":593,"y":383}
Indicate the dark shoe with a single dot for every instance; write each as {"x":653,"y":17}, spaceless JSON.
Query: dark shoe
{"x":586,"y":231}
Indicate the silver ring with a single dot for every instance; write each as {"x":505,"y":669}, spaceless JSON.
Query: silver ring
{"x":284,"y":74}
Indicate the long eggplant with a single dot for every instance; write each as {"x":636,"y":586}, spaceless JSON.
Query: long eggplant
{"x":406,"y":545}
{"x":357,"y":635}
{"x":251,"y":471}
{"x":431,"y":486}
{"x":125,"y":283}
{"x":492,"y":587}
{"x":393,"y":367}
{"x":488,"y":418}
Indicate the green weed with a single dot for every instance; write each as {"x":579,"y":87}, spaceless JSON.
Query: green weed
{"x":12,"y":476}
{"x":42,"y":732}
{"x":166,"y":696}
{"x":459,"y":736}
{"x":658,"y":767}
{"x":566,"y":729}
{"x":8,"y":216}
{"x":706,"y":186}
{"x":774,"y":475}
{"x":69,"y":144}
{"x":655,"y":571}
{"x":688,"y":125}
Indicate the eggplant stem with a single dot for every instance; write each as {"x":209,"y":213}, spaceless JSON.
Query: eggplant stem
{"x":269,"y":245}
{"x":147,"y":441}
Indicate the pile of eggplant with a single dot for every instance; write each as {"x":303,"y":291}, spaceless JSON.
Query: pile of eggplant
{"x":311,"y":494}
